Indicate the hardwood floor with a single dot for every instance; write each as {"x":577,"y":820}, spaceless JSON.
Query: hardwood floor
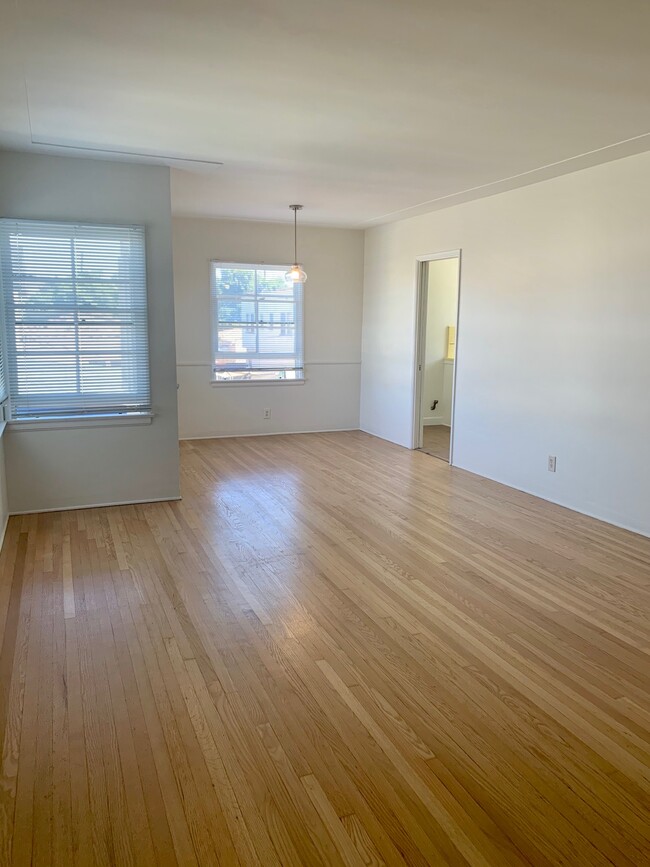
{"x":436,"y":441}
{"x":332,"y":651}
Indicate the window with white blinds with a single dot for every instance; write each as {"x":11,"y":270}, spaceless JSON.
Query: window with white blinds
{"x":75,"y":313}
{"x":257,"y":324}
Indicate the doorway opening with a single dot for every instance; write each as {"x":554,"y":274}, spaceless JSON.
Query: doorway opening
{"x":435,"y":362}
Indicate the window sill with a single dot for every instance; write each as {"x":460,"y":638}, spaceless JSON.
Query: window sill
{"x":250,"y":383}
{"x":72,"y":422}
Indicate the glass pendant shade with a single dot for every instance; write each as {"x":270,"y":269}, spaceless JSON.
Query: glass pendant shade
{"x":295,"y":274}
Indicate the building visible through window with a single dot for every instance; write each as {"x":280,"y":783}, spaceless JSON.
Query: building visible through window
{"x":257,"y":324}
{"x":75,"y":315}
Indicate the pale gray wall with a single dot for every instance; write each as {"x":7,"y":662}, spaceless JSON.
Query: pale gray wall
{"x":50,"y":469}
{"x":329,"y":398}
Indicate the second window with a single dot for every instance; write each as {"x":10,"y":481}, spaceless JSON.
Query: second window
{"x":257,"y":324}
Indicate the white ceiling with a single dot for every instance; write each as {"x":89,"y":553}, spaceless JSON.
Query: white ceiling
{"x":364,"y":110}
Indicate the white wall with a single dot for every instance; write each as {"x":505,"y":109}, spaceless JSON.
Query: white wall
{"x":329,"y":399}
{"x":442,"y":309}
{"x":49,"y":469}
{"x":553,"y":351}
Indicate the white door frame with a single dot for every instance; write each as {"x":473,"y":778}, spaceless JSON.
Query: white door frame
{"x":421,"y":286}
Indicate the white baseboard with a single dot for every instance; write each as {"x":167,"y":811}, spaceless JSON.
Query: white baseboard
{"x":274,"y":433}
{"x":611,"y":521}
{"x":4,"y":532}
{"x":385,"y":439}
{"x":98,"y":505}
{"x":436,"y":422}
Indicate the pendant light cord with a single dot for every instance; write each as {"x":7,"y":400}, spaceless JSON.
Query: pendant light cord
{"x":295,"y":209}
{"x":296,"y":273}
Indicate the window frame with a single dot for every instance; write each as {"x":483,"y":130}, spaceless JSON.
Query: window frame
{"x":299,"y":301}
{"x":115,"y":413}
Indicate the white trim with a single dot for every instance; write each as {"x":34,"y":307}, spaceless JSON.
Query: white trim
{"x":164,"y":159}
{"x":625,"y":148}
{"x":455,"y":370}
{"x":446,"y":254}
{"x":420,"y":343}
{"x":252,"y":266}
{"x":384,"y":438}
{"x":644,"y":533}
{"x":421,"y":301}
{"x":274,"y":433}
{"x":31,"y":424}
{"x":637,"y":532}
{"x":332,"y":363}
{"x":4,"y":532}
{"x":306,"y":364}
{"x":98,"y":505}
{"x":228,"y":383}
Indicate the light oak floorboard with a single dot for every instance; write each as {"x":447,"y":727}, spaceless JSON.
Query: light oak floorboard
{"x":436,"y":441}
{"x":332,"y":651}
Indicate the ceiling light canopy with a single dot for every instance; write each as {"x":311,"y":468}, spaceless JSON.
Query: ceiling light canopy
{"x":295,"y":274}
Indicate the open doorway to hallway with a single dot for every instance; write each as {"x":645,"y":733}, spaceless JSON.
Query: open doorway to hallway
{"x":439,"y":281}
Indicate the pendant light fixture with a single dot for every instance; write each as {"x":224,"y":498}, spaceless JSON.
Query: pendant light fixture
{"x":295,"y":274}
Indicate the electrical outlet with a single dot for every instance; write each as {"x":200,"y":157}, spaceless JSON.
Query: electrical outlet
{"x":267,"y":413}
{"x":552,"y":462}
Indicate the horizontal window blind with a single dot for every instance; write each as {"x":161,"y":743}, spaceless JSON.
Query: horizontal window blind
{"x":257,"y":323}
{"x":75,"y":311}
